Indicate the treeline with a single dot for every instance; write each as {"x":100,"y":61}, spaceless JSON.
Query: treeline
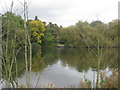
{"x":83,"y":34}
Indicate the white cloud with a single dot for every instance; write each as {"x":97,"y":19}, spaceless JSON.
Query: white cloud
{"x":67,"y":12}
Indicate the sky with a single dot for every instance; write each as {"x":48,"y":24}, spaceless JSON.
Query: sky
{"x":66,"y":12}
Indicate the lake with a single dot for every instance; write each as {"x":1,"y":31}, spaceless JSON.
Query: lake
{"x":65,"y":67}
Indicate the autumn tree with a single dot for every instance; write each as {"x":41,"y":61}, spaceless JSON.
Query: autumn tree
{"x":37,"y":29}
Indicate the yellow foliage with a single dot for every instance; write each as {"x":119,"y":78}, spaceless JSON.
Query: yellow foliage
{"x":34,"y":33}
{"x":39,"y":41}
{"x":42,"y":34}
{"x":38,"y":37}
{"x":37,"y":25}
{"x":34,"y":29}
{"x":38,"y":29}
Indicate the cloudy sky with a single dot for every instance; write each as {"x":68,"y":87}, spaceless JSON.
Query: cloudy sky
{"x":67,"y":12}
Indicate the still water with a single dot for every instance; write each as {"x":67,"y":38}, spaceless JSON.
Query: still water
{"x":65,"y":67}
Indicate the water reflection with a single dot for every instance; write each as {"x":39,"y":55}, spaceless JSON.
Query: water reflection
{"x":81,"y":59}
{"x":58,"y":74}
{"x":65,"y":67}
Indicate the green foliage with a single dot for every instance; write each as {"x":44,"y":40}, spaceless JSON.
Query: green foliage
{"x":36,"y":18}
{"x":70,"y":36}
{"x":14,"y":21}
{"x":48,"y":39}
{"x":83,"y":34}
{"x":11,"y":26}
{"x":95,"y":23}
{"x":113,"y":32}
{"x":51,"y":34}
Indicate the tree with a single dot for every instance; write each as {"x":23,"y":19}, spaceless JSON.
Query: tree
{"x":51,"y":34}
{"x":69,"y":36}
{"x":37,"y":29}
{"x":112,"y":33}
{"x":10,"y":45}
{"x":36,"y":18}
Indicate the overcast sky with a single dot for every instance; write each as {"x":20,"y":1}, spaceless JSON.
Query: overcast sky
{"x":67,"y":12}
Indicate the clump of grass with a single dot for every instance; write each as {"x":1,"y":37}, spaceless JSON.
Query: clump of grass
{"x":21,"y":86}
{"x":105,"y":81}
{"x":49,"y":85}
{"x":109,"y":81}
{"x":85,"y":83}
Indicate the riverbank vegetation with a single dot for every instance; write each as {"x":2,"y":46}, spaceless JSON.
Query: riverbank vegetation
{"x":105,"y":81}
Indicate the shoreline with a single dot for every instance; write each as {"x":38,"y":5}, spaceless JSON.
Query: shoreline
{"x":63,"y":46}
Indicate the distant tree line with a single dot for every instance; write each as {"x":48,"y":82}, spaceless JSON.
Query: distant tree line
{"x":83,"y":34}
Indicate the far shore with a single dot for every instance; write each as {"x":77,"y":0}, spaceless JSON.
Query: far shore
{"x":86,"y":46}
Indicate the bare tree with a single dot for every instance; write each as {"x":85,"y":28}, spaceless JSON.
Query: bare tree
{"x":0,"y":46}
{"x":27,"y":43}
